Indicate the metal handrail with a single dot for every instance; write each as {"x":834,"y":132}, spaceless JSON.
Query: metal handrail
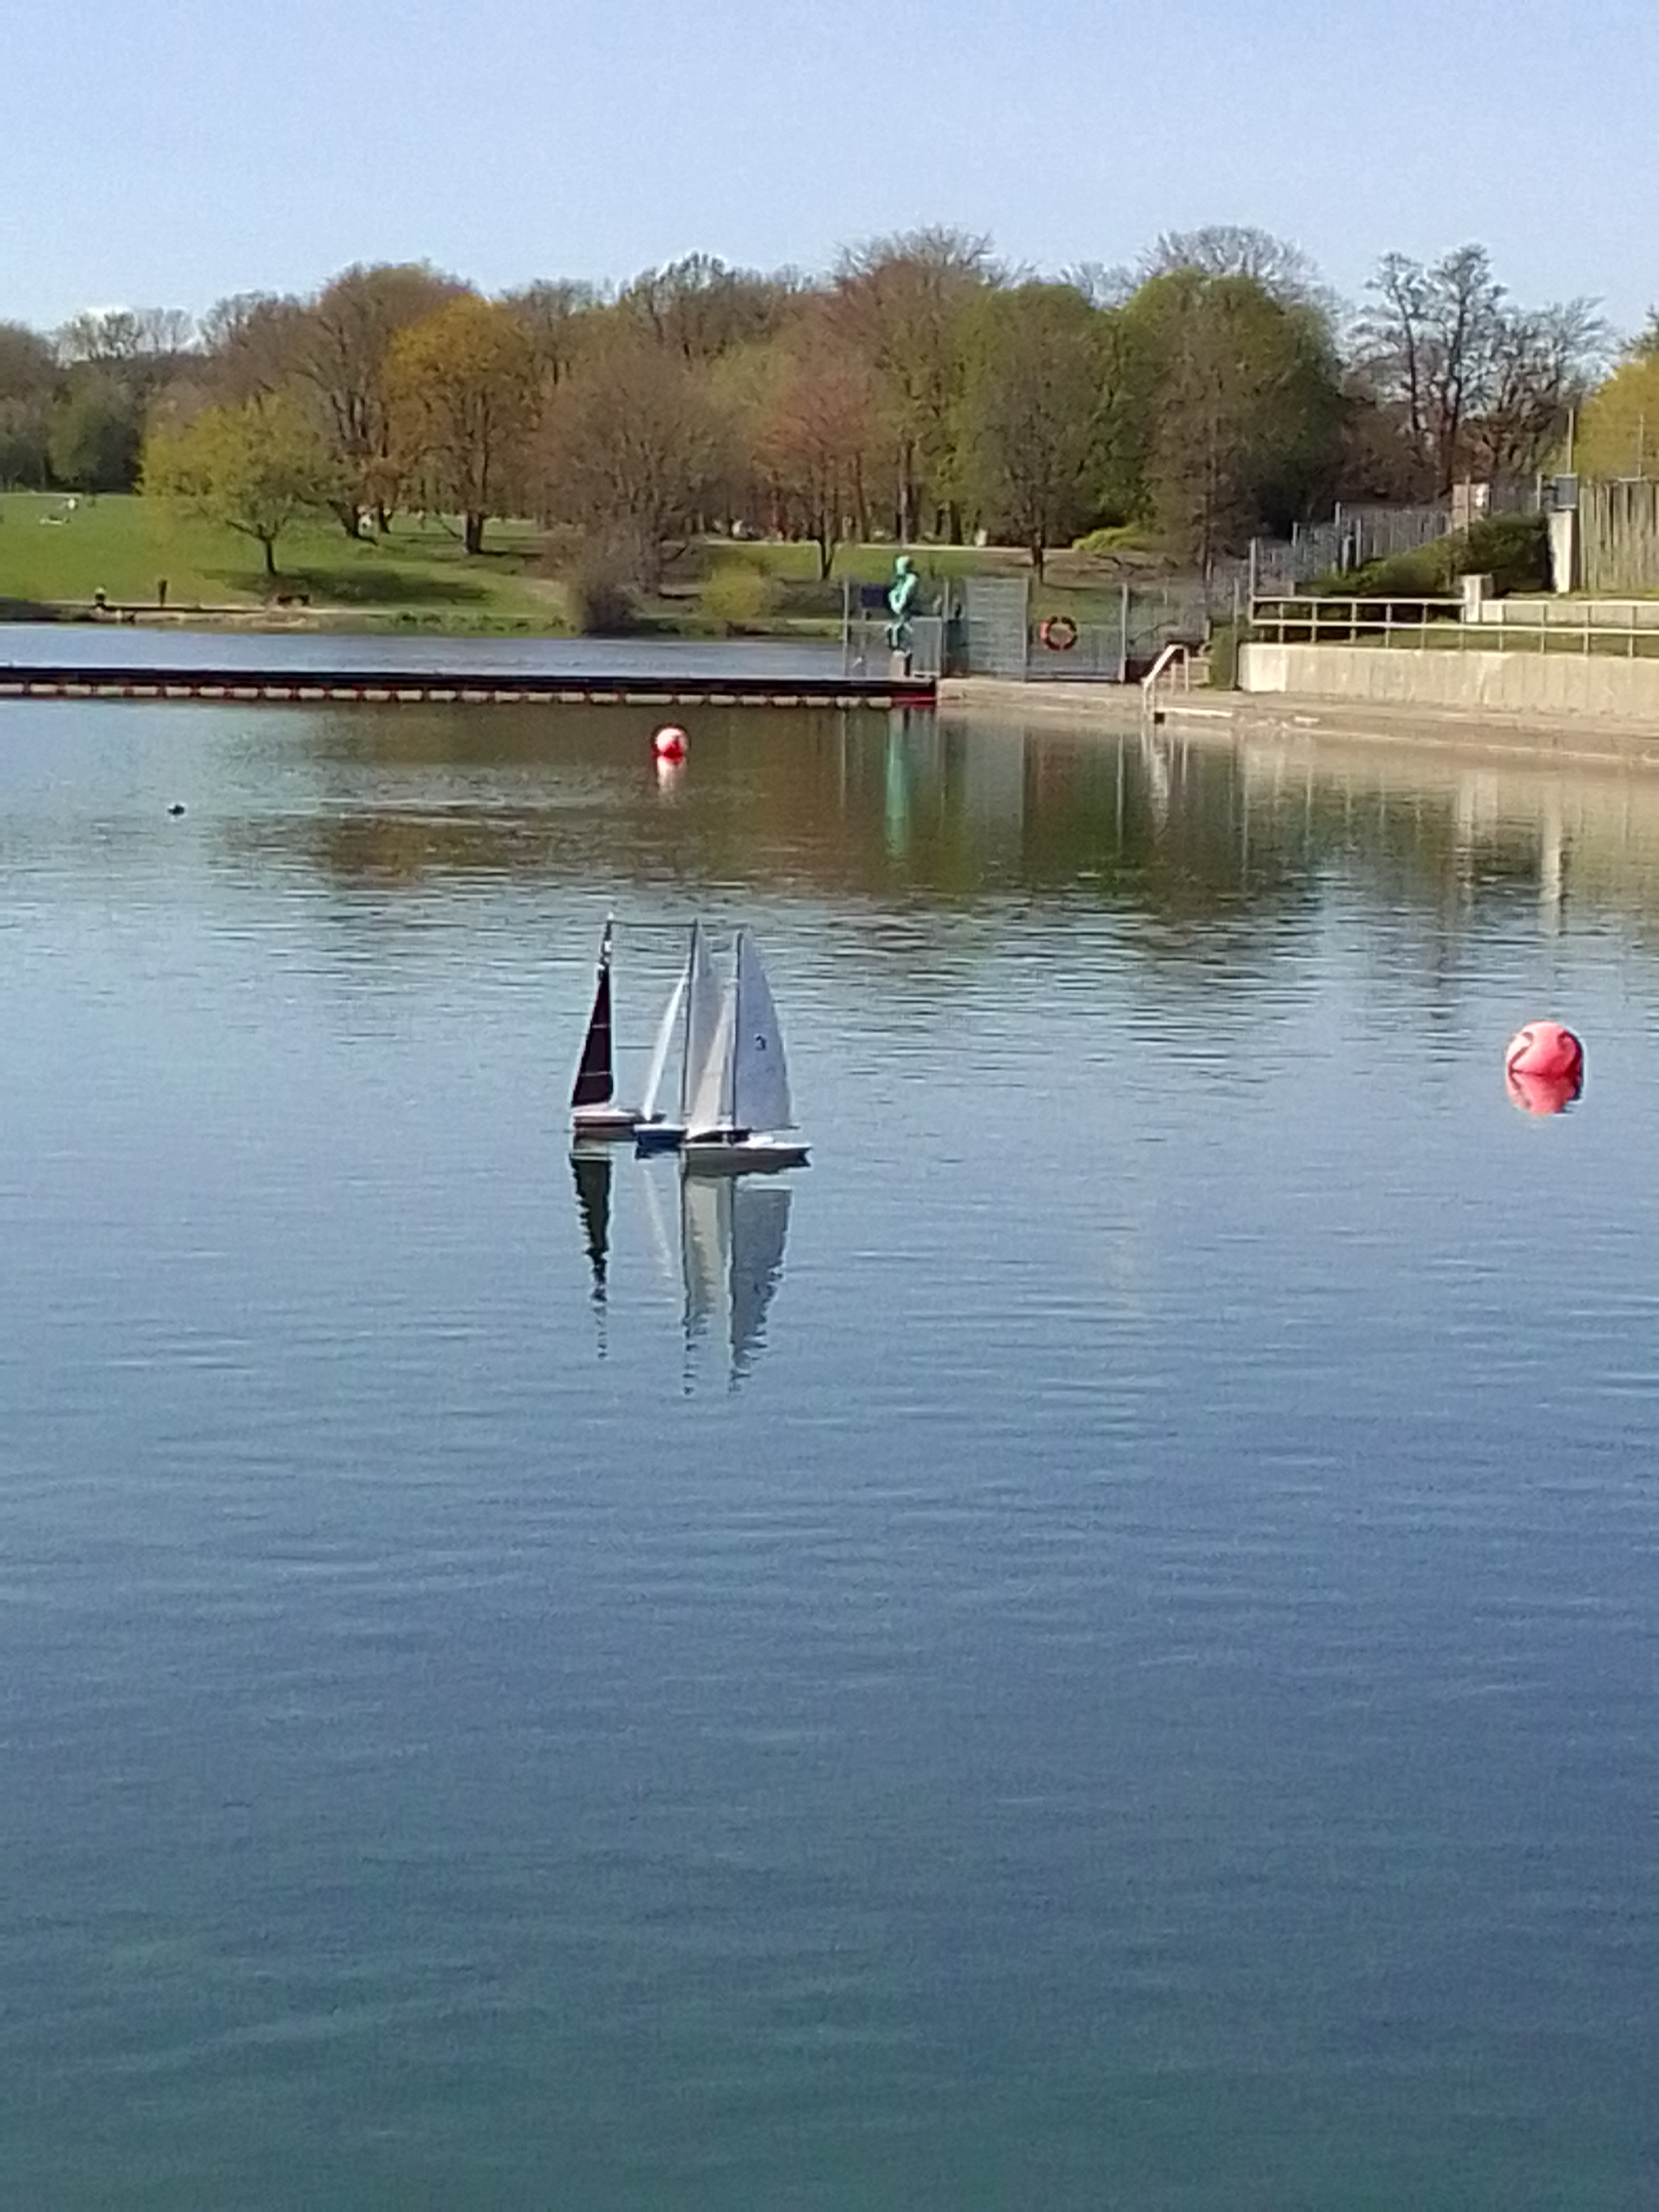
{"x":1442,"y":624}
{"x":1177,"y":649}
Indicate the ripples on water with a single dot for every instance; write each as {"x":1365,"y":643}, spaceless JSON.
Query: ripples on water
{"x":1123,"y":1673}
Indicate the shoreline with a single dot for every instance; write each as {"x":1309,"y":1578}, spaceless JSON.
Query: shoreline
{"x":1591,"y":741}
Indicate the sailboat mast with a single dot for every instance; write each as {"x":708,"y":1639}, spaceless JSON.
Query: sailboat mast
{"x":737,"y":1031}
{"x":685,"y":1041}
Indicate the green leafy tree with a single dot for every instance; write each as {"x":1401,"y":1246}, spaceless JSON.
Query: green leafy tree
{"x":1618,"y":427}
{"x":258,"y":468}
{"x":1244,"y":408}
{"x":1033,"y":412}
{"x":28,"y":377}
{"x":461,"y":395}
{"x":95,"y":431}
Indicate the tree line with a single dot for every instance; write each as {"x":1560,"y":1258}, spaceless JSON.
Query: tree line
{"x":920,"y":389}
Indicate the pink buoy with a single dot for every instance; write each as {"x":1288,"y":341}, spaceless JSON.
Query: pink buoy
{"x":1545,"y":1048}
{"x":670,"y":743}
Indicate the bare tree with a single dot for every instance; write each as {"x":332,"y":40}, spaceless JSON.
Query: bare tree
{"x":701,"y":309}
{"x":1473,"y":383}
{"x":1278,"y":265}
{"x":1543,"y":363}
{"x":350,"y":329}
{"x":557,"y":316}
{"x":126,"y":335}
{"x":631,"y":446}
{"x":816,"y":428}
{"x":254,"y":344}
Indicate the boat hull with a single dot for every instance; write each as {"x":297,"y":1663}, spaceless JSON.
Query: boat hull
{"x":658,"y":1136}
{"x":602,"y":1125}
{"x":741,"y":1154}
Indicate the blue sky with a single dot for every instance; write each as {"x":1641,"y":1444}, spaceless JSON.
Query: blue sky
{"x":164,"y":154}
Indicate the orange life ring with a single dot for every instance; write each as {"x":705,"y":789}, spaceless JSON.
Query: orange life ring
{"x":1059,"y":633}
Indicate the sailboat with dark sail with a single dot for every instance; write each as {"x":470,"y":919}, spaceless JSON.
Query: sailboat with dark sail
{"x":595,"y":1116}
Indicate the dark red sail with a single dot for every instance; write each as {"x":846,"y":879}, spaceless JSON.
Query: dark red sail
{"x":594,"y":1079}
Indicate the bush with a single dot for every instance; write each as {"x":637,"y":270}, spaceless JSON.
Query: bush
{"x":1513,"y":550}
{"x":738,"y":595}
{"x":1424,"y":573}
{"x":603,"y":591}
{"x":1118,"y":537}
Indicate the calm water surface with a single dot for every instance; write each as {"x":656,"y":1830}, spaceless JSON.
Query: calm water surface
{"x":1096,"y":1648}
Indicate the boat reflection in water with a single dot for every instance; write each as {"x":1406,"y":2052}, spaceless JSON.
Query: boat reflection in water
{"x":732,"y":1231}
{"x":590,"y":1165}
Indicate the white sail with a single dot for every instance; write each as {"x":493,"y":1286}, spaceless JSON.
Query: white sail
{"x":760,"y":1073}
{"x":660,"y":1051}
{"x":710,"y":1106}
{"x":704,"y":1002}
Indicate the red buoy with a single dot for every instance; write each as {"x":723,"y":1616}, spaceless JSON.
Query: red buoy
{"x":1547,"y":1049}
{"x":670,"y":743}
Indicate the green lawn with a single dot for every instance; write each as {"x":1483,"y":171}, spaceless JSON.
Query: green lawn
{"x":418,"y":578}
{"x":124,"y":546}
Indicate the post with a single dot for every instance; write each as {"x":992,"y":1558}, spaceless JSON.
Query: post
{"x":1123,"y":637}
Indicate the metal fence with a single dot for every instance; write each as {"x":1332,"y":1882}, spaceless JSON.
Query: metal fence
{"x":995,"y":634}
{"x":1585,"y":627}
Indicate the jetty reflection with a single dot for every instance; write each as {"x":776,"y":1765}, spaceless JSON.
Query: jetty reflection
{"x":732,"y":1235}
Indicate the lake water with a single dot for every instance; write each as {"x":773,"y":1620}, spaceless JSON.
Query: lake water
{"x":1095,"y":1648}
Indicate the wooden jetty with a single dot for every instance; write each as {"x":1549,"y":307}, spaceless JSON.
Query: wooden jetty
{"x":473,"y":688}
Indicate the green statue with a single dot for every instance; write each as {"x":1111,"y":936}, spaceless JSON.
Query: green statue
{"x":900,"y":598}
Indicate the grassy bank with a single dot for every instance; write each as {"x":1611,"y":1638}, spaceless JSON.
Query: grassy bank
{"x":126,"y":547}
{"x":54,"y":558}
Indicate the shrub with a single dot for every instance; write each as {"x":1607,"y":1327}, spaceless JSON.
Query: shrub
{"x":1117,"y":538}
{"x":603,"y":591}
{"x":738,"y":595}
{"x":1513,"y":550}
{"x":1424,"y":573}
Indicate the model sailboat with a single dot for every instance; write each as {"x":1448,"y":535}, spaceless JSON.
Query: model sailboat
{"x":692,"y":1015}
{"x":595,"y":1116}
{"x":740,"y":1099}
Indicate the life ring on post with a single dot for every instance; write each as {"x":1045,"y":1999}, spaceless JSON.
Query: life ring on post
{"x":1058,"y":633}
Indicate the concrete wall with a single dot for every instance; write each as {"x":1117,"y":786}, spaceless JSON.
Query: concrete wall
{"x":1540,"y":684}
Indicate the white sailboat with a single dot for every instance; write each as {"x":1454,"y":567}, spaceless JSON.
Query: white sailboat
{"x":595,"y":1116}
{"x":741,"y":1099}
{"x":693,"y":1012}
